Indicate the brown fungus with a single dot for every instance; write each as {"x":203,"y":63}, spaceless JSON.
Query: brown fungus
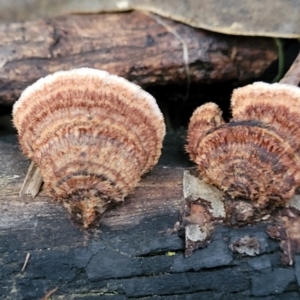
{"x":246,"y":246}
{"x":249,"y":161}
{"x":92,"y":134}
{"x":254,"y":157}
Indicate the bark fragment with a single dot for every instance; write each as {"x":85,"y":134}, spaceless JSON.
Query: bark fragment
{"x":286,"y":229}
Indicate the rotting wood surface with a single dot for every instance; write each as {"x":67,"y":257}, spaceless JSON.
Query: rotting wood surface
{"x":130,"y":255}
{"x":144,"y":48}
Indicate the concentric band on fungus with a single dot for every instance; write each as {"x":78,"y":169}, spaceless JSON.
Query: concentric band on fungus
{"x":92,"y":77}
{"x":101,"y":130}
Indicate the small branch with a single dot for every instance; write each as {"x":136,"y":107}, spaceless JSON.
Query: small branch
{"x":281,"y":60}
{"x":49,"y":294}
{"x":292,"y":76}
{"x":26,"y":261}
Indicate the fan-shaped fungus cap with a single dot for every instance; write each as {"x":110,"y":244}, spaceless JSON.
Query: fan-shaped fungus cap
{"x":93,"y":92}
{"x":275,"y":104}
{"x":92,"y":134}
{"x":257,"y":155}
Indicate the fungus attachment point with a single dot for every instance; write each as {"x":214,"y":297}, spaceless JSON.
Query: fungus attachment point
{"x":92,"y":134}
{"x":255,"y":157}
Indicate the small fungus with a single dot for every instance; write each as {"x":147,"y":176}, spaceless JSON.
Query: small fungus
{"x":246,"y":246}
{"x":92,"y":134}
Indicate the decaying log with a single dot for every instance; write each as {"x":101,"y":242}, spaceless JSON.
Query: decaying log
{"x":131,"y":254}
{"x":144,"y":48}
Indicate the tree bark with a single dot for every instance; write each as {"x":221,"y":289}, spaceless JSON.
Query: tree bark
{"x":144,"y":48}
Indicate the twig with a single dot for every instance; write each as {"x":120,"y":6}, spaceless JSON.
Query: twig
{"x":292,"y":76}
{"x":49,"y":293}
{"x":26,"y":261}
{"x":281,"y":59}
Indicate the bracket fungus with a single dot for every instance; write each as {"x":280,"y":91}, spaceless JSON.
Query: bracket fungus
{"x":255,"y":157}
{"x":92,"y":134}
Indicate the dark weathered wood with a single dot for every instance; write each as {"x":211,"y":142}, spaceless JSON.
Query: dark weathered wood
{"x":159,"y":192}
{"x":143,"y":48}
{"x":130,"y":255}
